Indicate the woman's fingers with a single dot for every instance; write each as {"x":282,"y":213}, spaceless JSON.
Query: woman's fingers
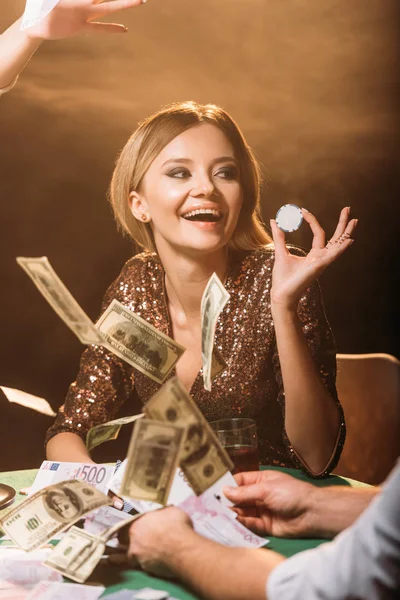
{"x":279,"y":239}
{"x":338,"y":244}
{"x":342,"y":223}
{"x":318,"y":232}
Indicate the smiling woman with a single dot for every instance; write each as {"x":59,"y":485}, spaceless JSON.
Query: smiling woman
{"x":170,"y":151}
{"x":186,"y":188}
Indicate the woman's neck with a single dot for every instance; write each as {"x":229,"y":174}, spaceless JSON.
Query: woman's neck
{"x":186,"y":278}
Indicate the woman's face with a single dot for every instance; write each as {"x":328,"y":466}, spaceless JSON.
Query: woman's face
{"x":192,"y":192}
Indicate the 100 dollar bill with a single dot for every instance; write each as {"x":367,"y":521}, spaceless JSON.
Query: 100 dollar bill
{"x":79,"y":552}
{"x":60,"y":298}
{"x":213,"y":302}
{"x":203,"y":459}
{"x":51,"y":510}
{"x":119,"y":329}
{"x":108,"y":431}
{"x":137,"y":342}
{"x":153,"y":456}
{"x":76,"y":555}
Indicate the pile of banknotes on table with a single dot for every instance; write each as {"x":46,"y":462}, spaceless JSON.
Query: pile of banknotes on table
{"x":174,"y":458}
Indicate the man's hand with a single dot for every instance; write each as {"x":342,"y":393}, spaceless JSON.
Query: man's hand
{"x":154,"y":536}
{"x":273,"y":503}
{"x":72,"y":17}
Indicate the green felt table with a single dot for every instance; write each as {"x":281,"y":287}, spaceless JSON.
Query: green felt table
{"x":115,"y":579}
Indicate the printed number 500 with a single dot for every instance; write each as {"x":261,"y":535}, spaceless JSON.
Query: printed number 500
{"x":91,"y":474}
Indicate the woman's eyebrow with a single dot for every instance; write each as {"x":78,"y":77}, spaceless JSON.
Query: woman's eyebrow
{"x":189,"y":160}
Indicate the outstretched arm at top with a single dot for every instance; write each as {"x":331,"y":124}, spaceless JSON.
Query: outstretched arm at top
{"x":67,"y":19}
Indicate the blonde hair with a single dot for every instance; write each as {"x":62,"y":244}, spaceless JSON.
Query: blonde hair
{"x":146,"y":143}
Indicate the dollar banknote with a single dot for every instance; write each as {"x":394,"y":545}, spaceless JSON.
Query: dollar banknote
{"x":218,"y":365}
{"x":60,"y":298}
{"x":119,"y":329}
{"x":153,"y":456}
{"x":78,"y":553}
{"x":51,"y":510}
{"x":203,"y":459}
{"x":213,"y":302}
{"x":108,"y":431}
{"x":137,"y":342}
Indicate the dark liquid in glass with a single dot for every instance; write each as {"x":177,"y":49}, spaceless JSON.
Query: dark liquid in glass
{"x":244,"y":458}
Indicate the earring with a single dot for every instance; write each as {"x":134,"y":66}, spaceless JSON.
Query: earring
{"x":143,"y":217}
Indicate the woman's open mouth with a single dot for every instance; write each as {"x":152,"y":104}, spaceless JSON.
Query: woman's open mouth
{"x":204,"y":215}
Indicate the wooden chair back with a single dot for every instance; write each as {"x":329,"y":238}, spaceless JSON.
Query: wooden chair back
{"x":368,"y":386}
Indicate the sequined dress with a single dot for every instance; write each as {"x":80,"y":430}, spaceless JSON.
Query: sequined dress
{"x":251,"y":386}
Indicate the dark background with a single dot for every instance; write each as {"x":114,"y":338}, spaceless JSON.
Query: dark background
{"x":314,"y":86}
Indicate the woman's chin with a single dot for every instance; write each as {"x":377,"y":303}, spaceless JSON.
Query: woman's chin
{"x":202,"y":246}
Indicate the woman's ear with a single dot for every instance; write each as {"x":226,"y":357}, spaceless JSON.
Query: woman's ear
{"x":139,"y":207}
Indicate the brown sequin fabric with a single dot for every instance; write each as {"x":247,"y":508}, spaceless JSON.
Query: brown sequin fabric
{"x":251,"y":386}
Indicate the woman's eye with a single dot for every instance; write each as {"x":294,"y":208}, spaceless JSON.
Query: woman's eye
{"x":227,"y":173}
{"x":179,"y":173}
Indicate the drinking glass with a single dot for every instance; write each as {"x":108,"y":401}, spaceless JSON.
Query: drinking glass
{"x":239,"y":438}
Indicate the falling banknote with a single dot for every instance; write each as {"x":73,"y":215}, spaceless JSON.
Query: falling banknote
{"x":60,"y":298}
{"x":119,"y":329}
{"x":108,"y":431}
{"x":137,"y":342}
{"x":51,"y":510}
{"x":203,"y":459}
{"x":153,"y":457}
{"x":213,"y":302}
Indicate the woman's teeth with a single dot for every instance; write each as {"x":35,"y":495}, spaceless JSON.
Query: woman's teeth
{"x":203,"y":214}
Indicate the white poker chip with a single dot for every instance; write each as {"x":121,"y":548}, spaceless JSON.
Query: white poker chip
{"x":289,"y":217}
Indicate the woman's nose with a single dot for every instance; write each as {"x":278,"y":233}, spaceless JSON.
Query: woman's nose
{"x":204,"y":187}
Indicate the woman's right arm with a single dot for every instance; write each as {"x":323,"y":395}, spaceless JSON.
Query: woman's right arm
{"x":67,"y":447}
{"x":103,"y":385}
{"x":67,"y":19}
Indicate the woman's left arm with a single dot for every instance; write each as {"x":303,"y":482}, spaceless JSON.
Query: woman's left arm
{"x":313,"y":419}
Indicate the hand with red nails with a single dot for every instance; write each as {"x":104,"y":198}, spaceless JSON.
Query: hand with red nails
{"x":292,"y":275}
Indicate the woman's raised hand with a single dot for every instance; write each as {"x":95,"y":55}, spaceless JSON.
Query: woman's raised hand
{"x":72,"y":17}
{"x":291,"y":274}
